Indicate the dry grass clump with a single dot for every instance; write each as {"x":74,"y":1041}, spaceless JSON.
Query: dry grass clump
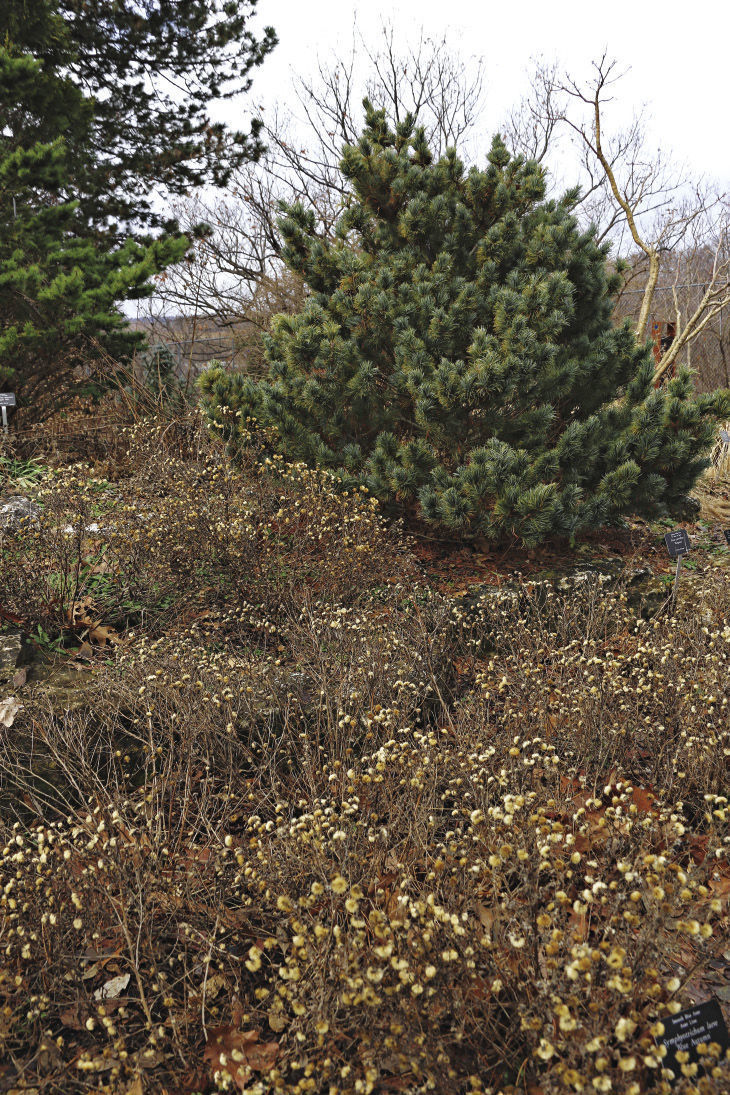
{"x":713,"y":486}
{"x":390,"y":845}
{"x":720,"y":456}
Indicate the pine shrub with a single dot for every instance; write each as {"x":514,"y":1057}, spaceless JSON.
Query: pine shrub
{"x":456,"y":355}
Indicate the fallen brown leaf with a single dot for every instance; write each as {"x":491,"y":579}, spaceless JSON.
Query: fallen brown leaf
{"x":9,"y":708}
{"x":112,"y":988}
{"x":20,"y":678}
{"x":720,"y":886}
{"x":643,"y":799}
{"x":101,"y":634}
{"x":73,"y":1018}
{"x":250,"y":1054}
{"x":487,"y":915}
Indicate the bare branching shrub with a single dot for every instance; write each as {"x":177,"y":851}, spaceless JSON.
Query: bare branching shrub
{"x":187,"y":531}
{"x":394,"y":844}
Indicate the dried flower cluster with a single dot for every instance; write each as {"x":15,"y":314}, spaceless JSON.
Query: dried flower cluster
{"x":357,"y":837}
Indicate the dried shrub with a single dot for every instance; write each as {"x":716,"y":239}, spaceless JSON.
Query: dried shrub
{"x":391,"y":845}
{"x":186,"y":531}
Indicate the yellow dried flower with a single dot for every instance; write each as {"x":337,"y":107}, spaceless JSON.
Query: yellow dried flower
{"x":624,"y":1028}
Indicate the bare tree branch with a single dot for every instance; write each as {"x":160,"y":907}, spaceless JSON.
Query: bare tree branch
{"x":632,"y":195}
{"x":236,"y":271}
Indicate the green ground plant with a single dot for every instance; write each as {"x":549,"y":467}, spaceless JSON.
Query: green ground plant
{"x":20,"y":474}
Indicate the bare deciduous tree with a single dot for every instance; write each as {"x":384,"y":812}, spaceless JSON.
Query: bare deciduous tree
{"x":664,"y":224}
{"x":533,"y":127}
{"x":234,"y":276}
{"x":703,"y":264}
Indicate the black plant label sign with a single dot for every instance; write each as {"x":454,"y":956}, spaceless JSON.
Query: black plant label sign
{"x":677,"y":542}
{"x":7,"y":399}
{"x":690,"y":1028}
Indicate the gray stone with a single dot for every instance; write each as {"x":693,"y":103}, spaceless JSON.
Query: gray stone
{"x":94,"y":527}
{"x":14,"y":511}
{"x":608,"y":572}
{"x":640,"y":574}
{"x":14,"y":652}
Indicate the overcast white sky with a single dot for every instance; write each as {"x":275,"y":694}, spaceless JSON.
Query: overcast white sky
{"x":677,"y":55}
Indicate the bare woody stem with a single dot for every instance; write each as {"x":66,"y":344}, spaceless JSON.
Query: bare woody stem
{"x":651,"y":253}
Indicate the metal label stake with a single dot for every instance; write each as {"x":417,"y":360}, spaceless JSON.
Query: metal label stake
{"x":7,"y":399}
{"x":677,"y":544}
{"x":675,"y":587}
